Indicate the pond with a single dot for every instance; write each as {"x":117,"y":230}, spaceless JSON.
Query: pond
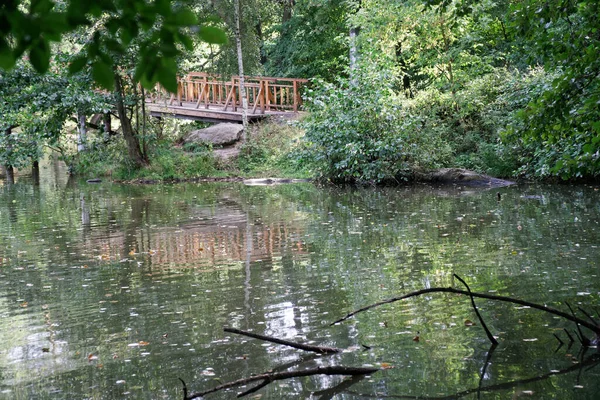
{"x":112,"y":291}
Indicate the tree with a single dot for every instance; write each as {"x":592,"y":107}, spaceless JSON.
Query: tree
{"x":560,"y":127}
{"x":312,"y":43}
{"x":30,"y":29}
{"x":238,"y":41}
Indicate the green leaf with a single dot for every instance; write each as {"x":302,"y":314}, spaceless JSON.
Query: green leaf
{"x":187,"y":42}
{"x":41,"y":6}
{"x":185,"y":17}
{"x":77,"y":64}
{"x":7,"y":59}
{"x":167,"y":78}
{"x":114,"y":46}
{"x":103,"y":74}
{"x":210,"y":34}
{"x":128,"y":32}
{"x":39,"y":55}
{"x":163,"y":7}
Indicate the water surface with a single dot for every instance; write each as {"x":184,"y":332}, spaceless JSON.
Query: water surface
{"x":114,"y":291}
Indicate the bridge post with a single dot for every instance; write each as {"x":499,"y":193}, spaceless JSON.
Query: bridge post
{"x":295,"y":95}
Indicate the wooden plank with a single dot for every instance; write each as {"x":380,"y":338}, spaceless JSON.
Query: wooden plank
{"x":268,"y":95}
{"x":256,"y":100}
{"x":295,"y":96}
{"x":186,"y":112}
{"x":201,"y":96}
{"x":229,"y":95}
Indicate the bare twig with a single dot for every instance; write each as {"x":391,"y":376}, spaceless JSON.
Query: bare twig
{"x":588,"y":315}
{"x":487,"y":331}
{"x":562,"y":314}
{"x":569,"y":335}
{"x":300,"y":346}
{"x":185,"y":392}
{"x":255,"y":388}
{"x":488,"y":359}
{"x":557,"y":338}
{"x":329,"y":393}
{"x":584,"y":340}
{"x":271,"y":377}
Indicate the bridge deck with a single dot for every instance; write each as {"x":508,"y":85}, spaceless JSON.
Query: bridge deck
{"x":210,"y":98}
{"x":213,"y":113}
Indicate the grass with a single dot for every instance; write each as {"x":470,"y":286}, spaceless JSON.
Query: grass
{"x":267,"y":153}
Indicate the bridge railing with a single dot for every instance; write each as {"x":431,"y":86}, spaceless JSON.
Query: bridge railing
{"x":199,"y":89}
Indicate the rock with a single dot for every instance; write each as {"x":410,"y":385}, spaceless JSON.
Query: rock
{"x":227,"y":153}
{"x":217,"y":135}
{"x":463,"y":176}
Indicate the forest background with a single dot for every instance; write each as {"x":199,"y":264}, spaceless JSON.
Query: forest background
{"x":504,"y":87}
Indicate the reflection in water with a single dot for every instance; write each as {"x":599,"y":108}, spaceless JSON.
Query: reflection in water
{"x":110,"y":291}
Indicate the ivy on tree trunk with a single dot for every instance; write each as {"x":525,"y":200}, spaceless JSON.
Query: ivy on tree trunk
{"x":133,"y":144}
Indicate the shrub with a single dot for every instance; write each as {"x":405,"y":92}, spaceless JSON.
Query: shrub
{"x":355,"y":131}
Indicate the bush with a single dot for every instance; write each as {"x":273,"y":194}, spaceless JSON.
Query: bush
{"x":356,"y":132}
{"x":268,"y":150}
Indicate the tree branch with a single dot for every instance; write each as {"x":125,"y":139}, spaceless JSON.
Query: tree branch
{"x":271,"y":377}
{"x":300,"y":346}
{"x":487,"y":331}
{"x":561,"y":314}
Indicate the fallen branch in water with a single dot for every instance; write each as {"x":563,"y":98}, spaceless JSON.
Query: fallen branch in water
{"x":590,"y":362}
{"x":300,"y":346}
{"x":269,"y":377}
{"x":594,"y":328}
{"x":481,"y":321}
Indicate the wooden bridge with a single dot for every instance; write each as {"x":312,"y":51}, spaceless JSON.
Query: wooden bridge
{"x":205,"y":97}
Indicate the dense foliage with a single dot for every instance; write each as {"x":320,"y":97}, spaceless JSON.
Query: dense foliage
{"x":502,"y":87}
{"x":509,"y":88}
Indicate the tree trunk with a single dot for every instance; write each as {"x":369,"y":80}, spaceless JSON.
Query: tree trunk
{"x":261,"y":47}
{"x":353,"y":53}
{"x":35,"y":172}
{"x":9,"y":171}
{"x":133,"y":144}
{"x":107,"y":126}
{"x":82,"y":132}
{"x":287,"y":11}
{"x":238,"y":42}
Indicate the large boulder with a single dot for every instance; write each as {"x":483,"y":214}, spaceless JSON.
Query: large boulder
{"x":218,"y":135}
